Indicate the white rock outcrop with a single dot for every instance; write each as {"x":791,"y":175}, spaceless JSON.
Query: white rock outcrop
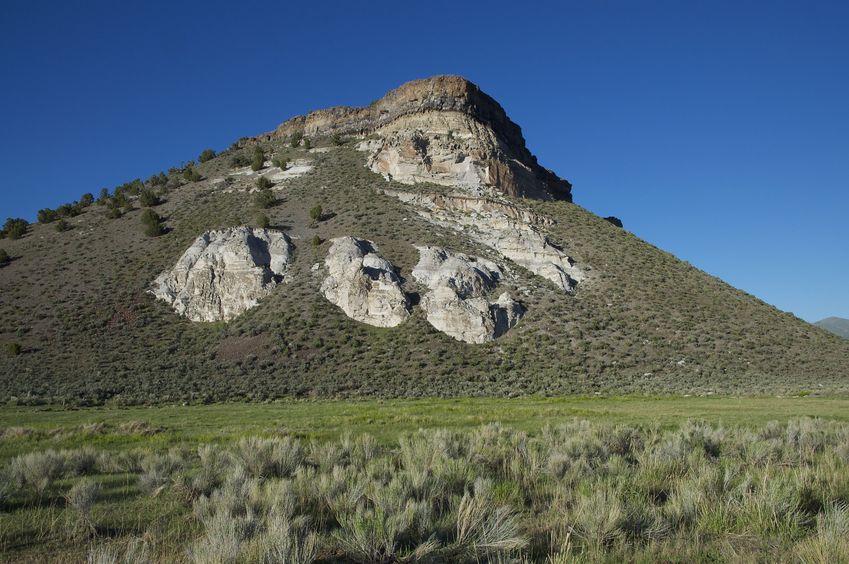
{"x":456,"y":303}
{"x":503,"y":227}
{"x":527,"y":247}
{"x":364,"y":284}
{"x":225,"y":273}
{"x":444,"y":148}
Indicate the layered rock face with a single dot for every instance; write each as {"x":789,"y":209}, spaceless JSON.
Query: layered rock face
{"x":505,"y":228}
{"x":444,"y":130}
{"x":364,"y":284}
{"x":225,"y":273}
{"x":456,"y":303}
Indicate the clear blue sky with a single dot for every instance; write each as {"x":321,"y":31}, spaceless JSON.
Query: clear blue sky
{"x":718,"y":131}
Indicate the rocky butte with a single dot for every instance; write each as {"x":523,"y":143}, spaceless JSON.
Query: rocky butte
{"x":444,"y":130}
{"x":448,"y":262}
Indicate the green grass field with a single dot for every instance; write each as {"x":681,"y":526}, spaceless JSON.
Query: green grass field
{"x":572,"y":479}
{"x":384,"y":419}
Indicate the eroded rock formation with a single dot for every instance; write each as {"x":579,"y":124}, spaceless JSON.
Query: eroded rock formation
{"x":503,"y":227}
{"x":442,"y":129}
{"x":364,"y":284}
{"x":225,"y":273}
{"x":456,"y":303}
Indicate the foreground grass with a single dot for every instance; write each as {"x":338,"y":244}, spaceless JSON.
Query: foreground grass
{"x":558,"y":480}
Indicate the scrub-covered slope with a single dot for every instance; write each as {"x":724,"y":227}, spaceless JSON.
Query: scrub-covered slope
{"x":545,"y":297}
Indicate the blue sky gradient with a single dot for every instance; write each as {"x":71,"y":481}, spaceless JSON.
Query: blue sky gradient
{"x":718,"y":131}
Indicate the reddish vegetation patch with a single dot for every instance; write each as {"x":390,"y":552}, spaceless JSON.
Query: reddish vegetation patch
{"x":240,"y":348}
{"x":126,"y":315}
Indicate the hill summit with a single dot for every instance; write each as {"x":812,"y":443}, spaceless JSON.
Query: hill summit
{"x":444,"y":130}
{"x":413,"y":247}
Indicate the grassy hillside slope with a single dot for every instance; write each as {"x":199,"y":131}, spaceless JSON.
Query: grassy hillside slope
{"x":644,"y":323}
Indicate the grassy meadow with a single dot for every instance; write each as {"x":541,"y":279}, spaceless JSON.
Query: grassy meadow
{"x":583,"y":479}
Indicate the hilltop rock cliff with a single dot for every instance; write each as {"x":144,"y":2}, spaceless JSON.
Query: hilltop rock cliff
{"x":444,"y":130}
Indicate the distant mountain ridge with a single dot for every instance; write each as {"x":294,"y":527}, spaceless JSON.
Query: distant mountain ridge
{"x":836,"y":325}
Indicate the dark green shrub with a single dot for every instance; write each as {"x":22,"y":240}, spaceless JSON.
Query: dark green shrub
{"x":149,"y":216}
{"x":152,"y":223}
{"x":131,"y":188}
{"x":264,"y":199}
{"x":158,"y":179}
{"x":316,"y":213}
{"x":4,"y":257}
{"x":337,"y":139}
{"x":262,"y":183}
{"x":307,"y":144}
{"x":119,"y":200}
{"x":148,"y":198}
{"x":62,"y":225}
{"x":262,"y":221}
{"x":14,"y":228}
{"x":259,"y":159}
{"x":114,"y":212}
{"x":190,"y":174}
{"x":280,"y":163}
{"x":207,"y":155}
{"x":153,"y":229}
{"x":239,"y":161}
{"x":86,"y":200}
{"x":103,"y":198}
{"x":316,"y":240}
{"x":68,"y":210}
{"x":13,"y":349}
{"x":296,"y":138}
{"x":47,"y":215}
